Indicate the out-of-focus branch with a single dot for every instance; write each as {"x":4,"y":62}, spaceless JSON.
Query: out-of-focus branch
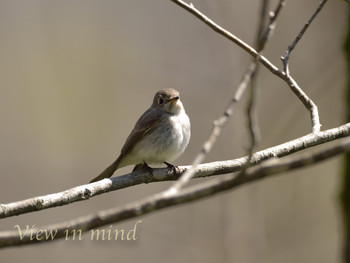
{"x":261,"y":39}
{"x":307,"y":102}
{"x":263,"y":35}
{"x":264,"y":10}
{"x":163,"y":200}
{"x":84,"y":192}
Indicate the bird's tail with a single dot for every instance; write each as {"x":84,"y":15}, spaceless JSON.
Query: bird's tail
{"x":108,"y":172}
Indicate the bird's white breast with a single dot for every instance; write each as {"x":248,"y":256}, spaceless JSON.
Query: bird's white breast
{"x":165,"y":143}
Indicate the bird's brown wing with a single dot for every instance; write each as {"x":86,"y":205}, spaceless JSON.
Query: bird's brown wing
{"x":145,"y":123}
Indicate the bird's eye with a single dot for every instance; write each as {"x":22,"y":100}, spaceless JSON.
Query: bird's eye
{"x":160,"y":101}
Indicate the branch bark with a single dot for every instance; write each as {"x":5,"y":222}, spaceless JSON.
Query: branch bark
{"x":84,"y":192}
{"x":163,"y":200}
{"x":285,"y":58}
{"x":309,"y":104}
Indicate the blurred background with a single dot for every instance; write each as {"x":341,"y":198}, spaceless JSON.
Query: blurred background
{"x":76,"y":75}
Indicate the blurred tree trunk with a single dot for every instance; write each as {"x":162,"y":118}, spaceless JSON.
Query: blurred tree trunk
{"x":345,"y":195}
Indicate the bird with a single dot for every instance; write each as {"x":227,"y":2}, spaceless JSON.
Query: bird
{"x":160,"y":135}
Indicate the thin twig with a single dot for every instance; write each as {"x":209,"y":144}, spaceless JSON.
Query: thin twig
{"x":162,"y":200}
{"x":190,"y":8}
{"x":253,"y":126}
{"x":285,"y":59}
{"x":84,"y":192}
{"x":263,"y":36}
{"x":307,"y":102}
{"x":262,"y":24}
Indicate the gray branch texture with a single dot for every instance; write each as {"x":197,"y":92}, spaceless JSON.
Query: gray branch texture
{"x":84,"y":192}
{"x":163,"y":200}
{"x":226,"y":175}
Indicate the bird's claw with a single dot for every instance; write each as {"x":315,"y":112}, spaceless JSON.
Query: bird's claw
{"x":174,"y":168}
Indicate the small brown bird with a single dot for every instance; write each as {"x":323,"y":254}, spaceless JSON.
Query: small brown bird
{"x":160,"y":135}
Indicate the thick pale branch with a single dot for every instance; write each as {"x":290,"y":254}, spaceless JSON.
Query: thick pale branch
{"x":84,"y":192}
{"x":163,"y":200}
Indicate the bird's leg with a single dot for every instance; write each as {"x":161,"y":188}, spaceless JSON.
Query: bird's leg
{"x":138,"y":167}
{"x":174,"y":168}
{"x":148,"y":168}
{"x":143,"y":167}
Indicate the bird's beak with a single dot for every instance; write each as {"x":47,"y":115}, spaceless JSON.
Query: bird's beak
{"x":174,"y":99}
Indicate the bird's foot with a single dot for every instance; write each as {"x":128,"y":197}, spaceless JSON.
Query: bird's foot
{"x":174,"y":168}
{"x":148,"y":168}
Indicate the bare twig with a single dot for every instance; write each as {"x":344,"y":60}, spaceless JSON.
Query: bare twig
{"x":307,"y":102}
{"x":190,"y":8}
{"x":163,"y":200}
{"x":285,"y":59}
{"x":253,"y":126}
{"x":84,"y":192}
{"x":264,"y":10}
{"x":263,"y":36}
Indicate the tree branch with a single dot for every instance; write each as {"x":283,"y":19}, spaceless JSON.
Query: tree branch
{"x":84,"y":192}
{"x":163,"y":200}
{"x":263,"y":36}
{"x":285,"y":59}
{"x":307,"y":102}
